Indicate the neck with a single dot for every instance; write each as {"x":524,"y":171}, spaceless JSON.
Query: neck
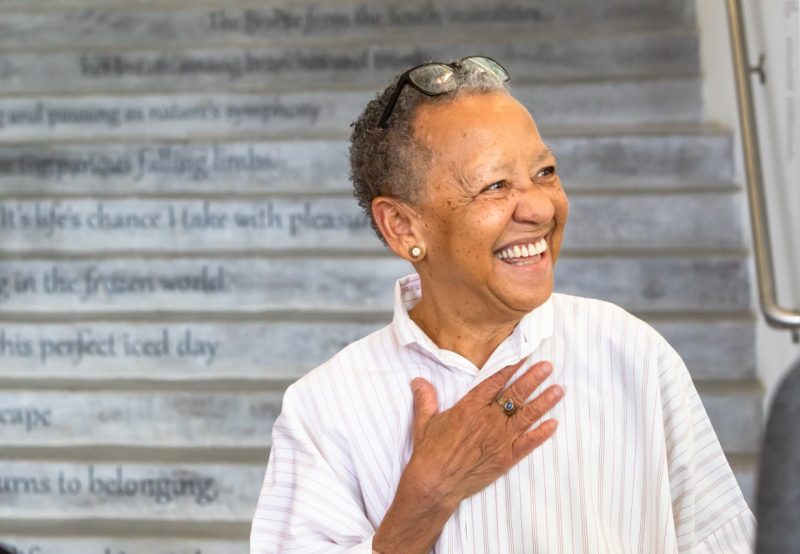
{"x":452,"y":328}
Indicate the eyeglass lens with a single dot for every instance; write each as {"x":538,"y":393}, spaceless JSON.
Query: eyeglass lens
{"x":487,"y":65}
{"x":434,"y":78}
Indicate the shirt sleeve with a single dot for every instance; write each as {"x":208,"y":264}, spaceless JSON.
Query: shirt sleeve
{"x":711,"y":515}
{"x":310,"y":500}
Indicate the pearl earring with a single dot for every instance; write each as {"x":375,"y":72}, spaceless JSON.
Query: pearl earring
{"x":416,"y":252}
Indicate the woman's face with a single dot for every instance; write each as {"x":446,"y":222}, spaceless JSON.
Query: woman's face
{"x":492,"y":192}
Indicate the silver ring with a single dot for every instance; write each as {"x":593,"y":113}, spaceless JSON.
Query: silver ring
{"x":507,"y":405}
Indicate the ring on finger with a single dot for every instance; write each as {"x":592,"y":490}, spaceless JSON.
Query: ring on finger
{"x":506,"y":404}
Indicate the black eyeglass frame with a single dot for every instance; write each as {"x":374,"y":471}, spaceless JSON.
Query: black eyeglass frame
{"x":405,"y":79}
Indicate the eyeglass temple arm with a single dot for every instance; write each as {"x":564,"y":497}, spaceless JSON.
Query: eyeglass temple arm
{"x":404,"y":79}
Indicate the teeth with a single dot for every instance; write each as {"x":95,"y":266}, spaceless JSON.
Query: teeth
{"x":541,"y":246}
{"x":523,"y":251}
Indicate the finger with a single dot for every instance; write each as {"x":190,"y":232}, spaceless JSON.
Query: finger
{"x":426,"y":405}
{"x":539,"y":406}
{"x":528,"y":381}
{"x":531,"y":440}
{"x":494,"y":385}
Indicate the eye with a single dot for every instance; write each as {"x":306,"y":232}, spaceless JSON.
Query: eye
{"x":548,"y":171}
{"x":498,"y":185}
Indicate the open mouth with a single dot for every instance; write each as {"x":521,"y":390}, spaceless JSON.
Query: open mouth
{"x":523,"y":254}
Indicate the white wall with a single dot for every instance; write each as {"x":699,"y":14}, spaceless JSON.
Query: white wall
{"x":772,"y":28}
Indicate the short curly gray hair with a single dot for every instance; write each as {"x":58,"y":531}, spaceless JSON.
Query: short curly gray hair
{"x":390,"y":161}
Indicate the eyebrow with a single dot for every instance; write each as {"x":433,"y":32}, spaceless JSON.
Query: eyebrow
{"x":546,"y":153}
{"x":464,"y":180}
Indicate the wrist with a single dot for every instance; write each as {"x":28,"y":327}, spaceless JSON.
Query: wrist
{"x":428,"y":487}
{"x":419,"y":511}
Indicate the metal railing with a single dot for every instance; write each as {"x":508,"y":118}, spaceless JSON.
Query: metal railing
{"x":775,"y":315}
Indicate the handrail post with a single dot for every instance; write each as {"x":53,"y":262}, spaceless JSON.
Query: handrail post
{"x":774,"y":314}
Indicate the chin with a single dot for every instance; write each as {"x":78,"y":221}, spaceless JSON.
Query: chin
{"x":530,"y":300}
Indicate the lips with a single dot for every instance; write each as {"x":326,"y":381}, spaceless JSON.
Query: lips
{"x":523,"y":252}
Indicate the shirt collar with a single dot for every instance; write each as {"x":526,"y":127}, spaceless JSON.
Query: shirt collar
{"x":534,"y":327}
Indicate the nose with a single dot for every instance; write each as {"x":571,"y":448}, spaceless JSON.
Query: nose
{"x":535,"y":206}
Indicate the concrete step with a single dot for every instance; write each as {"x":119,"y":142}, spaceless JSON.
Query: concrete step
{"x":713,"y":349}
{"x":224,"y":23}
{"x":90,"y":352}
{"x":131,"y":496}
{"x":746,"y":470}
{"x":627,"y":160}
{"x":688,"y":221}
{"x":205,"y":419}
{"x":75,"y":491}
{"x":631,"y":159}
{"x":124,"y":545}
{"x":114,"y":537}
{"x":323,"y":113}
{"x":736,"y":412}
{"x":666,"y":284}
{"x":531,"y":59}
{"x":148,"y":419}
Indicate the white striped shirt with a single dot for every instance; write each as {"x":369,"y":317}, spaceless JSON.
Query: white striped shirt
{"x":633,"y":467}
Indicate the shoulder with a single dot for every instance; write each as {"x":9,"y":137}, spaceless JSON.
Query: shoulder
{"x":357,"y":394}
{"x":611,"y":328}
{"x":562,"y":302}
{"x":597,"y":316}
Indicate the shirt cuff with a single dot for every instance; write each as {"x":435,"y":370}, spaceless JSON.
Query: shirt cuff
{"x":735,"y":537}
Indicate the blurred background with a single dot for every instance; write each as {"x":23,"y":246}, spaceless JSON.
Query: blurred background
{"x":178,"y":239}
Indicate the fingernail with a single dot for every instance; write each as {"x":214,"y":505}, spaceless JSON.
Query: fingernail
{"x":547,"y":367}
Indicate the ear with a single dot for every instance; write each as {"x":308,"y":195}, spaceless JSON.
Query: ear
{"x":398,"y":223}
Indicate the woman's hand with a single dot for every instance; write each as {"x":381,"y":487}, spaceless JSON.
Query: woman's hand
{"x":462,"y":450}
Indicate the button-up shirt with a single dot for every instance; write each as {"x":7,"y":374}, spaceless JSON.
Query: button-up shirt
{"x":634,"y":466}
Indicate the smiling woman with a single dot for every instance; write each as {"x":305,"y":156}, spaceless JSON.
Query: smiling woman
{"x":491,"y":187}
{"x":438,"y":432}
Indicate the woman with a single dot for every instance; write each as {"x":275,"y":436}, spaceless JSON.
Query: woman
{"x":439,"y":431}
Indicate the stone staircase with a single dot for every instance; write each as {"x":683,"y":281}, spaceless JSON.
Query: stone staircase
{"x":178,"y":240}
